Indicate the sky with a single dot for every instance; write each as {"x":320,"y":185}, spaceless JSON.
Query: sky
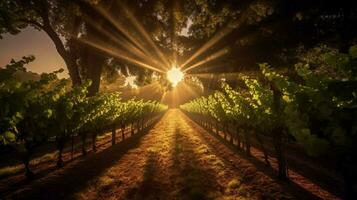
{"x":32,"y":42}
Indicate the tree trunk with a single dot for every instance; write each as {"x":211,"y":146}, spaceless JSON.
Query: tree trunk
{"x":247,"y":142}
{"x":260,"y":141}
{"x":142,"y":124}
{"x":279,"y":133}
{"x":94,"y":139}
{"x":73,"y":52}
{"x":60,"y":146}
{"x":132,"y":128}
{"x":123,"y":132}
{"x":231,"y":140}
{"x":224,"y":128}
{"x":113,"y":135}
{"x":84,"y":138}
{"x":26,"y":160}
{"x":138,"y":125}
{"x":94,"y":73}
{"x":72,"y":66}
{"x":280,"y":155}
{"x":29,"y":174}
{"x":72,"y":146}
{"x":94,"y":60}
{"x":238,"y":138}
{"x":60,"y":160}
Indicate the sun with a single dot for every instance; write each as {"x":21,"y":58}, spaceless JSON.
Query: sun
{"x":174,"y":75}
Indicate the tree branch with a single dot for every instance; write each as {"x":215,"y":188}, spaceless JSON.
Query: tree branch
{"x":39,"y":25}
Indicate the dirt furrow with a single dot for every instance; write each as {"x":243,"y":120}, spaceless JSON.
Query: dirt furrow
{"x":176,"y":159}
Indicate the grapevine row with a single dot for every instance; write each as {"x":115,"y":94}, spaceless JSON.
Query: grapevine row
{"x":33,"y":113}
{"x":313,"y":109}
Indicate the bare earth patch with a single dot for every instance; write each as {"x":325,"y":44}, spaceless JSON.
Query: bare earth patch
{"x":176,"y":159}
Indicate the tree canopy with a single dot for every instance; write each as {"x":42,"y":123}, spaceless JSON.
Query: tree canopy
{"x":89,"y":33}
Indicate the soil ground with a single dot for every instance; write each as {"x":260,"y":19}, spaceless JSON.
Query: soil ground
{"x":176,"y":159}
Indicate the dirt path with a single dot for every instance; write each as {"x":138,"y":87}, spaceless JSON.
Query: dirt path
{"x":176,"y":159}
{"x":174,"y":162}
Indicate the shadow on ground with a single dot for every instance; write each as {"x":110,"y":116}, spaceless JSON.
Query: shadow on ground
{"x":149,"y":188}
{"x":188,"y":180}
{"x":195,"y":181}
{"x":289,"y":186}
{"x":76,"y":176}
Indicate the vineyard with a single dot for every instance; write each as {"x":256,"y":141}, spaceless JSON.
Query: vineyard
{"x":34,"y":113}
{"x":178,"y":99}
{"x":283,"y":109}
{"x":276,"y":111}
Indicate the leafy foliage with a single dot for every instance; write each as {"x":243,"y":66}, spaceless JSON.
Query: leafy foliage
{"x":314,"y":108}
{"x":35,"y":112}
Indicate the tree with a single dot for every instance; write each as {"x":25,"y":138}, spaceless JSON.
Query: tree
{"x":42,"y":15}
{"x":268,"y":31}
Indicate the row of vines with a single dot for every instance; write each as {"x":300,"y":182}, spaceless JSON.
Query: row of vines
{"x":314,"y":108}
{"x":37,"y":112}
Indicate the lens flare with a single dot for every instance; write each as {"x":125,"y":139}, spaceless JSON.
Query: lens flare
{"x":174,"y":75}
{"x":130,"y":81}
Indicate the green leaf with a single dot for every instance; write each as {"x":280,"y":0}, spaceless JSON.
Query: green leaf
{"x":48,"y":113}
{"x":317,"y":146}
{"x":353,"y":51}
{"x":9,"y":137}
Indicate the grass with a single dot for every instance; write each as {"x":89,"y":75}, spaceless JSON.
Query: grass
{"x":202,"y":149}
{"x":192,"y":186}
{"x":105,"y":181}
{"x":243,"y":191}
{"x":214,"y":160}
{"x":99,"y":137}
{"x":10,"y":170}
{"x":44,"y":158}
{"x":233,"y":184}
{"x":235,"y":189}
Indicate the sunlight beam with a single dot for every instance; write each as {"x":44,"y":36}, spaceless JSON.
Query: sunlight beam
{"x":133,"y":49}
{"x":208,"y":59}
{"x":122,"y":29}
{"x":216,"y":38}
{"x":146,"y":35}
{"x":120,"y":55}
{"x":192,"y":93}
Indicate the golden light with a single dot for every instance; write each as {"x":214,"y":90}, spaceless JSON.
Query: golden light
{"x":174,"y":75}
{"x":130,"y":82}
